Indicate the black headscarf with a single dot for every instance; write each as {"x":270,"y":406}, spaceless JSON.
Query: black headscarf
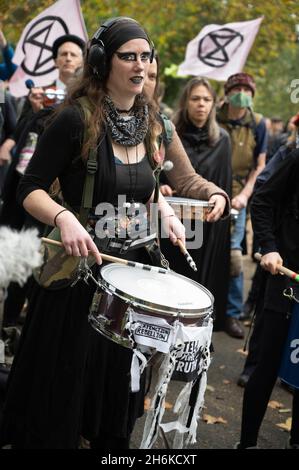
{"x":123,"y":30}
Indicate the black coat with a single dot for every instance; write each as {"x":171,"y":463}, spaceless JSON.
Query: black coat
{"x":212,"y":259}
{"x":275,"y":218}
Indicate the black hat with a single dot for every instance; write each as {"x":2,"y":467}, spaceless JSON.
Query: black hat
{"x":67,"y":38}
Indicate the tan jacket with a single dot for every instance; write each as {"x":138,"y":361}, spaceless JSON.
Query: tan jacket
{"x":184,"y":179}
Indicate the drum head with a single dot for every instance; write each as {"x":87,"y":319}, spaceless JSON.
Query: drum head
{"x":184,"y":201}
{"x":168,"y":293}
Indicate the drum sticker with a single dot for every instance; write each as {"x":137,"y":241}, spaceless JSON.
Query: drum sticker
{"x":189,"y":360}
{"x":153,"y":331}
{"x":187,"y":363}
{"x":154,"y":336}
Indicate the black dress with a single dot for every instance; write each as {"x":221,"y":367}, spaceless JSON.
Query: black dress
{"x":67,"y":379}
{"x":212,"y":259}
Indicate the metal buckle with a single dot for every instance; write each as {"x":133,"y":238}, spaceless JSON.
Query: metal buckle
{"x":92,"y":166}
{"x":289,"y":293}
{"x":125,"y":246}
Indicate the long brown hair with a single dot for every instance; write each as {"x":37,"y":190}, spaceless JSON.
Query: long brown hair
{"x":91,"y":87}
{"x":181,"y":119}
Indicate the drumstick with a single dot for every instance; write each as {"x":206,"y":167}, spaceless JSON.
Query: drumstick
{"x":281,"y":269}
{"x":186,"y":254}
{"x":114,"y":259}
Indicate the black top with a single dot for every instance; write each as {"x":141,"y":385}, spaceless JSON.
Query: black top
{"x":212,"y":259}
{"x":275,"y":207}
{"x":58,"y":154}
{"x":275,"y":218}
{"x":213,"y":163}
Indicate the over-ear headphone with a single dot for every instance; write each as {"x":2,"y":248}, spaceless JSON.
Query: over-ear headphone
{"x":96,"y":55}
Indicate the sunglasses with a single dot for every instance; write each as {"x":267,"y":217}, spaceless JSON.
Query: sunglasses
{"x":133,"y":56}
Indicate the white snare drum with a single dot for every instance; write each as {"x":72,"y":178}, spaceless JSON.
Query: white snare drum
{"x":186,"y":208}
{"x":169,"y":296}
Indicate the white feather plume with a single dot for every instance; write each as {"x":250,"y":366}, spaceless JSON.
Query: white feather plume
{"x":19,"y":255}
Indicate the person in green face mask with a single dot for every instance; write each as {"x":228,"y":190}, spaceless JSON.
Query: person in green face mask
{"x":248,"y":135}
{"x":240,"y":99}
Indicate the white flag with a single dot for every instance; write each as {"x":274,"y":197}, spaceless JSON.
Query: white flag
{"x":34,"y":50}
{"x":220,"y":51}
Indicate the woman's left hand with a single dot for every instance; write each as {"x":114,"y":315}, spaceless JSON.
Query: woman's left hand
{"x":219,"y":202}
{"x":173,"y":229}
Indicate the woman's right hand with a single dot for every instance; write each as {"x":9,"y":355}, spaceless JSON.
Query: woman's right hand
{"x":166,"y":190}
{"x":271,"y":262}
{"x":76,"y":240}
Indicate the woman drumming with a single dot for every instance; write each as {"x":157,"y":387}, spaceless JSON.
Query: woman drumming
{"x":67,"y":380}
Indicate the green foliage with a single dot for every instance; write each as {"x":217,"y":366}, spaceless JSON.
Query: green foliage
{"x":274,"y":90}
{"x":173,"y":23}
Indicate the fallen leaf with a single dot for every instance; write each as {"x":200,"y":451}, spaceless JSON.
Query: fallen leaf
{"x":168,"y":405}
{"x":285,"y":410}
{"x":147,"y":403}
{"x":226,"y":382}
{"x":221,"y":420}
{"x":244,"y":353}
{"x":276,"y":405}
{"x":286,"y":426}
{"x":210,"y":388}
{"x":209,"y":419}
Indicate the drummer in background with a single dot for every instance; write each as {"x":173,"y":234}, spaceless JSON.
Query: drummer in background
{"x":208,"y":148}
{"x":67,"y":379}
{"x":275,"y":218}
{"x":181,"y":164}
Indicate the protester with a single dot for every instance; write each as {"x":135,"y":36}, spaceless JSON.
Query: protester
{"x":275,"y":209}
{"x":67,"y":379}
{"x":7,"y":67}
{"x":248,"y":135}
{"x":68,"y":56}
{"x":209,"y":150}
{"x":260,"y":277}
{"x":7,"y":127}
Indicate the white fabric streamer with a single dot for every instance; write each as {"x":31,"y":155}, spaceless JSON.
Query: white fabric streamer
{"x":138,"y":365}
{"x":187,"y":435}
{"x":184,"y":434}
{"x":156,"y":411}
{"x":177,"y":343}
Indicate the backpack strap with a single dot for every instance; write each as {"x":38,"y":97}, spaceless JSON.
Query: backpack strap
{"x":91,"y":164}
{"x":167,"y":133}
{"x":255,"y":120}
